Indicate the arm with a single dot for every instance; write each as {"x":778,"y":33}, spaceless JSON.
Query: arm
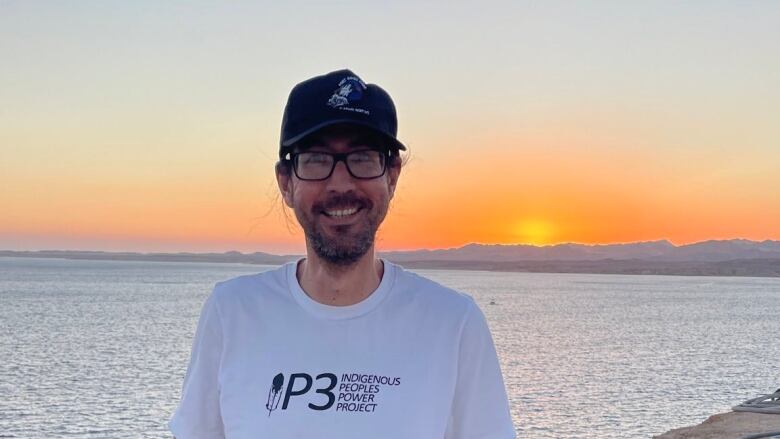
{"x":480,"y":408}
{"x":198,"y":414}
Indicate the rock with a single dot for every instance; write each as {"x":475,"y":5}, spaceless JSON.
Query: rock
{"x":732,"y":425}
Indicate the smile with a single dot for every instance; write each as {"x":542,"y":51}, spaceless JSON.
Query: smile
{"x":341,"y":213}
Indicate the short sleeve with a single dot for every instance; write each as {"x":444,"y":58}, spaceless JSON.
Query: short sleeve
{"x":480,"y":409}
{"x":198,"y":414}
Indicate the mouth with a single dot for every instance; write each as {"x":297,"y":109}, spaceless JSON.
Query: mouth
{"x":344,"y":212}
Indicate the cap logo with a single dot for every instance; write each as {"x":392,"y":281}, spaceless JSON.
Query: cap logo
{"x":349,"y":91}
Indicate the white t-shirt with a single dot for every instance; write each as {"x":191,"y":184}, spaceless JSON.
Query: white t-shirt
{"x":413,"y":360}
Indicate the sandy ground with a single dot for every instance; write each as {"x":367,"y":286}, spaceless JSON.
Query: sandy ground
{"x":732,"y":425}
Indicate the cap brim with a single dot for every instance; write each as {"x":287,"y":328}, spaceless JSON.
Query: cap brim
{"x":289,"y":142}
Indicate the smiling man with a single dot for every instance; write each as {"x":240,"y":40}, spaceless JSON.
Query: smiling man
{"x":341,"y":344}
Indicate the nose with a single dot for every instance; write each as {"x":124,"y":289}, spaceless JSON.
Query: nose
{"x":340,"y":180}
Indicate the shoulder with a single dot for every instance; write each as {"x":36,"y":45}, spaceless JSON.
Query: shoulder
{"x":418,"y":288}
{"x":251,"y":286}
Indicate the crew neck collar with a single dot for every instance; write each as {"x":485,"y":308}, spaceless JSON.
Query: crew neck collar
{"x":340,"y":312}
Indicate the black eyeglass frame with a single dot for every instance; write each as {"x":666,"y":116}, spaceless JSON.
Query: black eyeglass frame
{"x":339,"y":157}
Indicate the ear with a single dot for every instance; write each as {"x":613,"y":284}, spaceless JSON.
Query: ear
{"x":284,"y":180}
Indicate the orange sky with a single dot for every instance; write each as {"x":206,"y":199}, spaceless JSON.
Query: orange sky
{"x":540,"y":191}
{"x":595,"y":125}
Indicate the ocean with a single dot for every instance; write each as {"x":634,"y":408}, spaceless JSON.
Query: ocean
{"x":98,"y":349}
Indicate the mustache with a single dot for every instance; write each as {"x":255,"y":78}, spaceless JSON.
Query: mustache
{"x":339,"y":201}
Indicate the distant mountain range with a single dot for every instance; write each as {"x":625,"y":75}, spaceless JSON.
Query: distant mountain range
{"x":663,"y":250}
{"x":734,"y":257}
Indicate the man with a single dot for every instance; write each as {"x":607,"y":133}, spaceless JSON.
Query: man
{"x":341,"y":344}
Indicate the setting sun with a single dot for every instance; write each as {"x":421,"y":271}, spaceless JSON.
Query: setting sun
{"x":534,"y":231}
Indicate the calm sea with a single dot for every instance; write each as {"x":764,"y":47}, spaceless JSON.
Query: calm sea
{"x":98,"y":349}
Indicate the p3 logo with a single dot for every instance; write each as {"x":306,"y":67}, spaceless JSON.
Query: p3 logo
{"x":300,"y":384}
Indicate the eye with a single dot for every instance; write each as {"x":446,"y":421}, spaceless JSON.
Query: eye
{"x":314,"y":158}
{"x":362,"y":156}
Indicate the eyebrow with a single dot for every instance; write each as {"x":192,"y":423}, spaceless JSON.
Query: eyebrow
{"x":373,"y":142}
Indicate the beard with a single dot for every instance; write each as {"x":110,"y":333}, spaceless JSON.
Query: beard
{"x":345,"y":244}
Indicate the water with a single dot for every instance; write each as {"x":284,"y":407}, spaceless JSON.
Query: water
{"x":98,"y":349}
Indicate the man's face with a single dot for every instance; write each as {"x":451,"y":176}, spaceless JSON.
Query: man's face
{"x":339,"y":215}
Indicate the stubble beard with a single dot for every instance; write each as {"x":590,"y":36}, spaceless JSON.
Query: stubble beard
{"x":349,"y":244}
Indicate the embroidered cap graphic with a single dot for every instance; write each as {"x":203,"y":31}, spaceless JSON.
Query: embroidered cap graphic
{"x":350,"y":90}
{"x":275,"y":393}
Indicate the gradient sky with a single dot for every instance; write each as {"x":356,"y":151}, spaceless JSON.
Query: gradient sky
{"x":153,"y":126}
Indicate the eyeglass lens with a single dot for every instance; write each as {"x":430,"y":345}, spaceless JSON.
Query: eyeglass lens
{"x":319,"y":165}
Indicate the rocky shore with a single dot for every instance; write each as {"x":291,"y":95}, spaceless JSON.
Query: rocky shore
{"x":732,"y":425}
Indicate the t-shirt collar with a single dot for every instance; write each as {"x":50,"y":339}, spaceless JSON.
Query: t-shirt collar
{"x":340,"y":312}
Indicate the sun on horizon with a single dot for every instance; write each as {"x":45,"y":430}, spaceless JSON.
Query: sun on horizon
{"x":536,"y":232}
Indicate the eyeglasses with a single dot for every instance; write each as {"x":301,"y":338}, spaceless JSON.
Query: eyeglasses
{"x":315,"y":165}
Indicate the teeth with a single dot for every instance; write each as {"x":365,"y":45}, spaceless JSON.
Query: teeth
{"x":341,"y":212}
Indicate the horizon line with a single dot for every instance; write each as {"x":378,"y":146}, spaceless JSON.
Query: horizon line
{"x":422,"y":248}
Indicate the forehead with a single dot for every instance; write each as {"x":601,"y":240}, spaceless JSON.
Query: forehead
{"x":342,"y":137}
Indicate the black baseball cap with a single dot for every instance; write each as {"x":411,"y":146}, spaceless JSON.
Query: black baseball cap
{"x":335,"y":98}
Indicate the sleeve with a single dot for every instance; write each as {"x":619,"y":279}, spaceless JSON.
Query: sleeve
{"x":480,"y":409}
{"x":198,"y":414}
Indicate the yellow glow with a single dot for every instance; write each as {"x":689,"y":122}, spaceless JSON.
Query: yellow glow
{"x":534,"y":231}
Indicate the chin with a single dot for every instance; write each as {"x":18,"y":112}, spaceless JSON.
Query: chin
{"x":342,"y":250}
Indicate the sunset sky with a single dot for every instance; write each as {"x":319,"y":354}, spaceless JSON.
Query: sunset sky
{"x":153,"y":126}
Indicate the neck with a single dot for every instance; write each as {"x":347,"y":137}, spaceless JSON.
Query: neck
{"x":338,"y":285}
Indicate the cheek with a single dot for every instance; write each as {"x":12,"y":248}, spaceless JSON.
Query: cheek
{"x":301,"y":197}
{"x":383,"y":194}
